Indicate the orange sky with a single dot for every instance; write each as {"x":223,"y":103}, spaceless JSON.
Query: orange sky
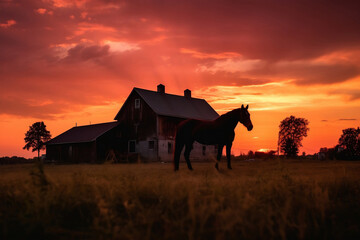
{"x":66,"y":62}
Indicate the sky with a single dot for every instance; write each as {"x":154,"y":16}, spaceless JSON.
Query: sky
{"x":75,"y":62}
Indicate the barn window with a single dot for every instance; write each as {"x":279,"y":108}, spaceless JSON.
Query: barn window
{"x":170,"y":148}
{"x":151,"y":145}
{"x":137,"y":103}
{"x":203,"y":150}
{"x":132,"y":146}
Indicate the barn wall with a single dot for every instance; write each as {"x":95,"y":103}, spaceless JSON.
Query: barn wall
{"x":109,"y":141}
{"x":167,"y":130}
{"x":167,"y":126}
{"x":148,"y":153}
{"x":84,"y":152}
{"x":53,"y":152}
{"x":198,"y":153}
{"x":166,"y":150}
{"x":71,"y":152}
{"x":202,"y":152}
{"x":138,"y":123}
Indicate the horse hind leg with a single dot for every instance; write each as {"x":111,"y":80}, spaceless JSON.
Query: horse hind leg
{"x":188,"y":149}
{"x":218,"y":157}
{"x":178,"y":149}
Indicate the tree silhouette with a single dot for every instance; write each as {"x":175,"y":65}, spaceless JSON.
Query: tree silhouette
{"x":289,"y":147}
{"x":350,"y":141}
{"x":292,"y":131}
{"x":36,"y":137}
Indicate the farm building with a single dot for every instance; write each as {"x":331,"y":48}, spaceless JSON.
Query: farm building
{"x":144,"y":129}
{"x":89,"y":143}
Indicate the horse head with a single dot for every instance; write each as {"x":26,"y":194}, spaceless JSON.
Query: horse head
{"x":244,"y":117}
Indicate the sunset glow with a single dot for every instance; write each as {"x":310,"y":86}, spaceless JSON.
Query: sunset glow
{"x":75,"y":62}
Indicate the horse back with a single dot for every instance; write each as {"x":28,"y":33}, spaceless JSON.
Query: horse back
{"x":205,"y":132}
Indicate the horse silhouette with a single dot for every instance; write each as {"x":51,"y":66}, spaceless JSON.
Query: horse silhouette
{"x":220,"y":132}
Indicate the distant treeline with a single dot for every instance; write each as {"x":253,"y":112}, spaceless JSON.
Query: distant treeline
{"x":272,"y":155}
{"x":15,"y":160}
{"x":338,"y":153}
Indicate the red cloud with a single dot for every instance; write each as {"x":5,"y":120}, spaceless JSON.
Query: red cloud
{"x":8,"y":23}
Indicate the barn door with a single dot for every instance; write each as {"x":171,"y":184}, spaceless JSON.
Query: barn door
{"x":170,"y":148}
{"x":132,"y":146}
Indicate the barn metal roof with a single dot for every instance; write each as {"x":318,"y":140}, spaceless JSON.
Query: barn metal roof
{"x":87,"y":133}
{"x":176,"y":106}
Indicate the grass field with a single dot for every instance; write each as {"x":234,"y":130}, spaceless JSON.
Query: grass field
{"x":257,"y":200}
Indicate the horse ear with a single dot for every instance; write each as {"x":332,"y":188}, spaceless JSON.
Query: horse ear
{"x":242,"y":106}
{"x":247,"y":106}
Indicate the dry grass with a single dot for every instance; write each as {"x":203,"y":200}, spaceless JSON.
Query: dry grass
{"x":256,"y":200}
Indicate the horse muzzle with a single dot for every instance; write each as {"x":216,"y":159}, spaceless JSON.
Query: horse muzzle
{"x":249,"y":128}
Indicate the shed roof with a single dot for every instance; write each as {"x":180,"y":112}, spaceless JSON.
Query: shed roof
{"x":176,"y":106}
{"x":81,"y":134}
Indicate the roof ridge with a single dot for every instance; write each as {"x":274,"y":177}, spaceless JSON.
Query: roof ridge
{"x":89,"y":132}
{"x":170,"y":94}
{"x":94,"y":124}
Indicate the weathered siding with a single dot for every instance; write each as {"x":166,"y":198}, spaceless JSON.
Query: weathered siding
{"x":95,"y":151}
{"x":166,"y":150}
{"x":199,"y":152}
{"x":202,"y":152}
{"x":147,"y":150}
{"x":167,"y":126}
{"x":138,"y":123}
{"x":72,"y":152}
{"x":110,"y":141}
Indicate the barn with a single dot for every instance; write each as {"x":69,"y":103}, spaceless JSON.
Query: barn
{"x":144,"y":130}
{"x":90,"y":143}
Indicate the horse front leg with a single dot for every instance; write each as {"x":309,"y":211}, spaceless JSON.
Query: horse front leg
{"x":178,"y":149}
{"x":219,"y":154}
{"x":188,"y":148}
{"x":228,"y":155}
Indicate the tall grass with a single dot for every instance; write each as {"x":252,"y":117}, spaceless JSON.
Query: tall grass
{"x":261,"y":200}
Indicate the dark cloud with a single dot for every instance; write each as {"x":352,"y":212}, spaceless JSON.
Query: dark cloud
{"x":347,"y":119}
{"x":84,"y":53}
{"x":232,"y":79}
{"x":301,"y":72}
{"x":314,"y":73}
{"x":19,"y":107}
{"x":257,"y":29}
